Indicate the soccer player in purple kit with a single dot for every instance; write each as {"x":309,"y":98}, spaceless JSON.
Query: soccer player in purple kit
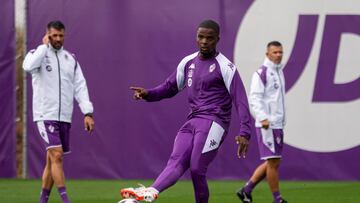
{"x":56,"y":80}
{"x":213,"y":85}
{"x":267,"y":97}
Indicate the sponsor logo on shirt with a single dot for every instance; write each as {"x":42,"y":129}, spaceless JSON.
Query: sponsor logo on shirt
{"x":212,"y":68}
{"x":189,"y":82}
{"x":48,"y":68}
{"x":190,"y":74}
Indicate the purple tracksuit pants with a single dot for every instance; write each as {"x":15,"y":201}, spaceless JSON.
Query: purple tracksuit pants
{"x":195,"y":147}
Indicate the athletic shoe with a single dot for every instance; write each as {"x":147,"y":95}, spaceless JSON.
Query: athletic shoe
{"x":141,"y":193}
{"x":244,"y":196}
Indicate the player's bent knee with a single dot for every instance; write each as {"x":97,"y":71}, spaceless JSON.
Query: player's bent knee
{"x":56,"y":156}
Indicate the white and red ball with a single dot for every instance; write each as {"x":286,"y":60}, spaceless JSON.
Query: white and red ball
{"x":128,"y":201}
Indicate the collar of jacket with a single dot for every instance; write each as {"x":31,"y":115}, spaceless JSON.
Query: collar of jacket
{"x":53,"y":49}
{"x":271,"y":64}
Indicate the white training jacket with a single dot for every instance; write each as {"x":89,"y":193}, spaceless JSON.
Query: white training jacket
{"x":267,"y":95}
{"x":56,"y":79}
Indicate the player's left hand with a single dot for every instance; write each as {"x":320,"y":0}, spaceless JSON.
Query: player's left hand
{"x":243,"y":144}
{"x":89,"y":123}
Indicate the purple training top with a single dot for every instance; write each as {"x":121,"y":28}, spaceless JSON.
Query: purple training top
{"x":212,"y":84}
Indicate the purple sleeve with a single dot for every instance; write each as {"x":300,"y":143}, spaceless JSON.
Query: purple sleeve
{"x":165,"y":90}
{"x":238,"y":95}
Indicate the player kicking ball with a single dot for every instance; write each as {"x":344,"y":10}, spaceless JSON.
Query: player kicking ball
{"x":213,"y":85}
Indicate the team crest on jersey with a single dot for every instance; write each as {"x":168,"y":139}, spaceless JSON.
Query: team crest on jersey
{"x":212,"y":68}
{"x":190,"y":74}
{"x":66,"y":57}
{"x":48,"y":68}
{"x":51,"y":128}
{"x":276,"y":86}
{"x":192,"y":66}
{"x":189,"y":82}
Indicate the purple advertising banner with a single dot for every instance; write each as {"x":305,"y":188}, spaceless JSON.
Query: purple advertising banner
{"x":7,"y":93}
{"x":140,"y":43}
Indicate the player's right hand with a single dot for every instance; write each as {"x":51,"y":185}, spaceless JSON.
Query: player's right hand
{"x":139,"y":93}
{"x":45,"y":39}
{"x":265,"y":124}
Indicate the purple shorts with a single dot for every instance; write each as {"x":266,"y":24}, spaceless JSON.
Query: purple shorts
{"x":270,"y":143}
{"x":55,"y":134}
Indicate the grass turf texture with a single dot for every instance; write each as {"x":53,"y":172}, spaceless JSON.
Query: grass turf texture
{"x":107,"y":191}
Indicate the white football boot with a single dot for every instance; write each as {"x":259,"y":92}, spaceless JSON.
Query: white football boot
{"x":141,"y":193}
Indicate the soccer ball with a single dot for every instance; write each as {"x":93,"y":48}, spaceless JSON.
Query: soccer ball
{"x":128,"y":201}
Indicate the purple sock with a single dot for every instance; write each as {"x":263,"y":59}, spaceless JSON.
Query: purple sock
{"x":276,"y":196}
{"x":249,"y":186}
{"x":44,"y":195}
{"x":63,"y":195}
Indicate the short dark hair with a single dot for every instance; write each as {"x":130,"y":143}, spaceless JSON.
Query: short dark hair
{"x":57,"y":24}
{"x":274,"y":43}
{"x":210,"y":24}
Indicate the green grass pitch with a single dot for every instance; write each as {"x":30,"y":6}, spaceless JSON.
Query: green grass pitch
{"x":107,"y":191}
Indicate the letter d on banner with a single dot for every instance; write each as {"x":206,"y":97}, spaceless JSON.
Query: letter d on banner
{"x":326,"y":90}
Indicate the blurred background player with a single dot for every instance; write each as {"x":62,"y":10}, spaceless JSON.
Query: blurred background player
{"x":56,"y":80}
{"x":267,"y":96}
{"x":213,"y":84}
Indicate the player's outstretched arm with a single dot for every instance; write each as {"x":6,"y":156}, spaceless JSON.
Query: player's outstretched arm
{"x":139,"y":93}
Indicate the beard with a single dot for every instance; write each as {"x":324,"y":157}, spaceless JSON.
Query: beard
{"x":56,"y":45}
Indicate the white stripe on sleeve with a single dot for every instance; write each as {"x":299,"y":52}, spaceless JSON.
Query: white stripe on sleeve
{"x":228,"y":70}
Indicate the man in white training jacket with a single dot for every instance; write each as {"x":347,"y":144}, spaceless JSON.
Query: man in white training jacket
{"x":267,"y":95}
{"x":56,"y":80}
